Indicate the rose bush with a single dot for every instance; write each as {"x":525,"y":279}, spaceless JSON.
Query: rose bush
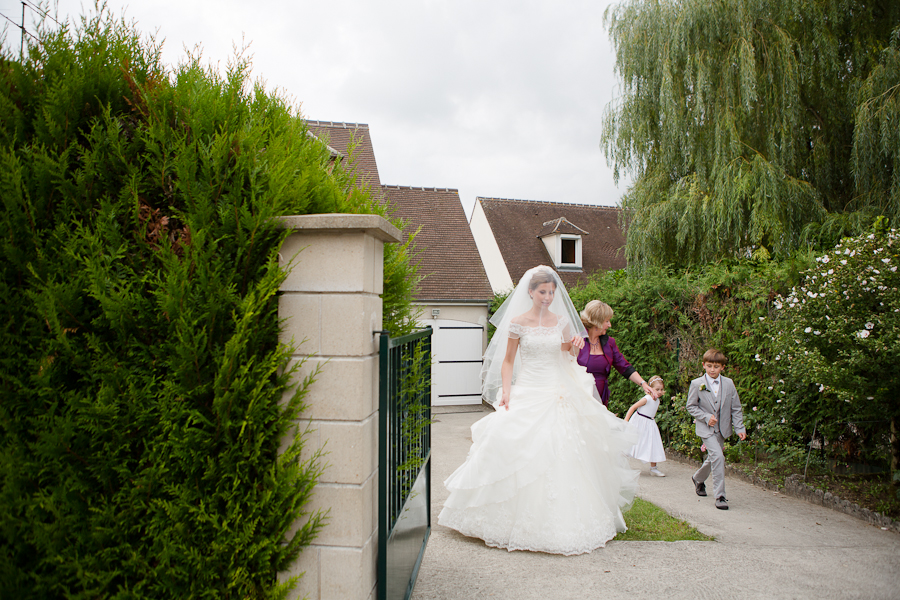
{"x":836,"y":346}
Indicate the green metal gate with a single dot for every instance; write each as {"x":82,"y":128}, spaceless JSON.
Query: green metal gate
{"x":404,"y":466}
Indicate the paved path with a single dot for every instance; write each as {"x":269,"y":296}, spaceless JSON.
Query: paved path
{"x":766,"y":546}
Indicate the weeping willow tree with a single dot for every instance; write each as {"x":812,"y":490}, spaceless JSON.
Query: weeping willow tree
{"x":752,"y":127}
{"x":876,"y":138}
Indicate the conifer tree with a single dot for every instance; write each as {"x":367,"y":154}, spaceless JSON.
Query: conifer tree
{"x":143,"y":405}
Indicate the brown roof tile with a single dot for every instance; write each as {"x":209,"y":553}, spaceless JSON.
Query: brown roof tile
{"x":338,"y":136}
{"x":516,"y":225}
{"x":447,"y":252}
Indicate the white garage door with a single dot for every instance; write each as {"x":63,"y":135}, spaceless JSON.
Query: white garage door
{"x":456,"y":374}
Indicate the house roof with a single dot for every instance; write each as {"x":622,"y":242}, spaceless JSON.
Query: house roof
{"x":560,"y":225}
{"x":517,"y":226}
{"x":448,"y":257}
{"x":338,"y":136}
{"x":335,"y":155}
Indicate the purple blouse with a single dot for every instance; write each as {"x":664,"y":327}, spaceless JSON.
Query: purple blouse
{"x":600,"y":365}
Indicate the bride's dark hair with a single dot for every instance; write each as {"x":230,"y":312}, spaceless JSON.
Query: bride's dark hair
{"x":541,"y":276}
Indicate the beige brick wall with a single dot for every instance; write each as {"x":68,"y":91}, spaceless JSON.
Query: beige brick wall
{"x":331,"y":306}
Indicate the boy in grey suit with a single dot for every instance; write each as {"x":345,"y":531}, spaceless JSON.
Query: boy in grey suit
{"x":713,"y":402}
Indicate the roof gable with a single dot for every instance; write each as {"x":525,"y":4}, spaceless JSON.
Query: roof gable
{"x":560,"y":225}
{"x":338,"y":137}
{"x":518,"y":224}
{"x":447,"y":255}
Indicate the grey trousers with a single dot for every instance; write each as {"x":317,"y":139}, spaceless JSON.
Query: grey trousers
{"x":715,"y":462}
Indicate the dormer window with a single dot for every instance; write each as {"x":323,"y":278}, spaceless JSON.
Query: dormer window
{"x":563,"y":242}
{"x":570,"y":251}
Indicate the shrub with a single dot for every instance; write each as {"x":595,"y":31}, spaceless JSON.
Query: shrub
{"x":143,"y":418}
{"x":837,"y":346}
{"x":665,"y":320}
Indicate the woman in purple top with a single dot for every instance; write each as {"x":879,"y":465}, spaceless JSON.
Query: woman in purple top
{"x":600,"y":353}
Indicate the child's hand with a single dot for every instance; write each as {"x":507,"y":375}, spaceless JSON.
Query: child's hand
{"x":713,"y":420}
{"x":743,"y":436}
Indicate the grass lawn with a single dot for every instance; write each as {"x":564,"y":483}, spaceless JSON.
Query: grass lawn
{"x":649,"y":523}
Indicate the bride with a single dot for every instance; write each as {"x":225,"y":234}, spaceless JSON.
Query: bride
{"x":547,"y":471}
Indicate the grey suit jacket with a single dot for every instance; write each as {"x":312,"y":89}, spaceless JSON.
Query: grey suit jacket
{"x":702,"y":404}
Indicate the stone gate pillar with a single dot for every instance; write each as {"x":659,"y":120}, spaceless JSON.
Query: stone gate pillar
{"x":331,"y":303}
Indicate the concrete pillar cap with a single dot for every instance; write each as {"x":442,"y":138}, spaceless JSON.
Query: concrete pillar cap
{"x":375,"y":225}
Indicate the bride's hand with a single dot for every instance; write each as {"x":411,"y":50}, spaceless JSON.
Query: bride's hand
{"x":504,"y":400}
{"x":577,"y":341}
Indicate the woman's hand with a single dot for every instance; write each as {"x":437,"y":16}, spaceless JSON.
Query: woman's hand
{"x":576,"y":343}
{"x":504,"y":400}
{"x":651,"y":391}
{"x":636,"y":378}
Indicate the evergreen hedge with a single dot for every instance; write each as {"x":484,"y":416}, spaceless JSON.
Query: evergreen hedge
{"x":666,"y":319}
{"x":142,"y":382}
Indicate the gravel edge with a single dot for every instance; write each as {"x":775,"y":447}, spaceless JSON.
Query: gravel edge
{"x":795,"y":487}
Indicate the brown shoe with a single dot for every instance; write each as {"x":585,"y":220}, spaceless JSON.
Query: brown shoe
{"x":699,"y":486}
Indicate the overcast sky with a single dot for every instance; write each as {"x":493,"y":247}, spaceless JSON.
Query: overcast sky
{"x":497,"y":98}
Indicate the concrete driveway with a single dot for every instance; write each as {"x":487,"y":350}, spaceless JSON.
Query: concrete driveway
{"x":766,"y":546}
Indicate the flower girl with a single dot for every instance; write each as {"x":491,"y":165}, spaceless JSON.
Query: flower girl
{"x":649,"y":447}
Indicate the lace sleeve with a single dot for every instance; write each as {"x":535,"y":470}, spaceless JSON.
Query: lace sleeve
{"x":515,"y":331}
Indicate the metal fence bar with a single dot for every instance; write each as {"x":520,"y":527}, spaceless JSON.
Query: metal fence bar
{"x":404,"y":468}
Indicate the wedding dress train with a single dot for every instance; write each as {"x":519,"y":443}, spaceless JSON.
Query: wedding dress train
{"x":550,"y":474}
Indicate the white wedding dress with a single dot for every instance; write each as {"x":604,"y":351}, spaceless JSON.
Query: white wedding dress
{"x":549,"y":474}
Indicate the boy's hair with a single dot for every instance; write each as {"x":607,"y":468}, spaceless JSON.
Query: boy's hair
{"x":714,"y":356}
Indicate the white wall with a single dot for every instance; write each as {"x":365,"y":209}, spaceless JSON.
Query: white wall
{"x":477,"y":314}
{"x":551,"y":243}
{"x":493,"y":262}
{"x":456,"y":383}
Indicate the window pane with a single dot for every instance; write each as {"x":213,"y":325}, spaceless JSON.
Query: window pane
{"x":568,"y":252}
